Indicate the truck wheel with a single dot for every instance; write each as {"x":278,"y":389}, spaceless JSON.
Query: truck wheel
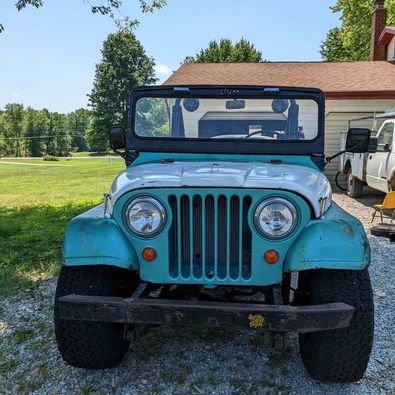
{"x":354,"y":186}
{"x":92,"y":345}
{"x":339,"y":355}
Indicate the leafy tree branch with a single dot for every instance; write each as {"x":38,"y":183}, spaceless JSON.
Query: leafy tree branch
{"x":111,"y":8}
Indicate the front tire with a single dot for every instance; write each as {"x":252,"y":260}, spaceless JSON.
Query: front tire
{"x":354,"y":186}
{"x":92,"y":345}
{"x":339,"y":355}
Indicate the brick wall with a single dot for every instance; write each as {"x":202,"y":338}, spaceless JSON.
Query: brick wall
{"x":379,"y":21}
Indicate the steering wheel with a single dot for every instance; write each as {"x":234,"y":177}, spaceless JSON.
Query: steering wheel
{"x":268,"y":133}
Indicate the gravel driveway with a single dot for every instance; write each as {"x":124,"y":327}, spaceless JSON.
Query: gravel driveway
{"x":190,"y":361}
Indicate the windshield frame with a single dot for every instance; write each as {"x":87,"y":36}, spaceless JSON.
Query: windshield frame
{"x":226,"y":146}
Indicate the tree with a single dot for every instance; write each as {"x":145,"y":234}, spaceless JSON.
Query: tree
{"x":33,"y":132}
{"x":61,"y":139}
{"x":124,"y":65}
{"x":107,"y":7}
{"x":226,"y":51}
{"x":2,"y":134}
{"x":13,"y":117}
{"x":352,"y":40}
{"x":152,"y":117}
{"x":56,"y":140}
{"x":77,"y":123}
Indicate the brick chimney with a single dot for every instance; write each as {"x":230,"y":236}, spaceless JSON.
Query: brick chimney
{"x":379,"y":21}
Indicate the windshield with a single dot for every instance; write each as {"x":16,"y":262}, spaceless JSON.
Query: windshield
{"x":235,"y":119}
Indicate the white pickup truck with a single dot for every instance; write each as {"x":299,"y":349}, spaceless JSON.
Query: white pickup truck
{"x":375,"y":169}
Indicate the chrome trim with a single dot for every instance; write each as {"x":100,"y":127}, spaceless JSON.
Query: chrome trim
{"x":266,"y":203}
{"x":154,"y":202}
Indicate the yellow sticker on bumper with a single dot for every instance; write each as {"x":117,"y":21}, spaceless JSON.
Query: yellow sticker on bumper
{"x":256,"y":320}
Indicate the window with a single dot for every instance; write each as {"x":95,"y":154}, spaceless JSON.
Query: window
{"x":226,"y":119}
{"x":386,"y":135}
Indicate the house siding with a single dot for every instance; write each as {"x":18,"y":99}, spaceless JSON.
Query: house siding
{"x":391,"y":51}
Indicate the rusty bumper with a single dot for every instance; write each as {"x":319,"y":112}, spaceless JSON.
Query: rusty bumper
{"x":277,"y":318}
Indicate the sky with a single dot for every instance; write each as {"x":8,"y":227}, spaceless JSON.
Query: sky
{"x":48,"y":55}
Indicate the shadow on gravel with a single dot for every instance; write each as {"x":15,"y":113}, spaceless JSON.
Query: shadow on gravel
{"x":369,"y":198}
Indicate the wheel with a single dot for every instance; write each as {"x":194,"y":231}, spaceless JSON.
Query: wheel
{"x":92,"y":345}
{"x":354,"y":186}
{"x":339,"y":355}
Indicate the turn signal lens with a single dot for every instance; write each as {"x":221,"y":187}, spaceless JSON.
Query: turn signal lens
{"x":149,"y":254}
{"x":271,"y":257}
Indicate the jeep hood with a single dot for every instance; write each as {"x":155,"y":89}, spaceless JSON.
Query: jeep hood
{"x":307,"y":182}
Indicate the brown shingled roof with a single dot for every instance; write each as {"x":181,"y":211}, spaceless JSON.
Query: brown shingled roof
{"x":337,"y":79}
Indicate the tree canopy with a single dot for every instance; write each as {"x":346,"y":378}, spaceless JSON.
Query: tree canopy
{"x":351,"y":41}
{"x":226,"y":51}
{"x":124,"y":65}
{"x":31,"y":132}
{"x":104,"y":7}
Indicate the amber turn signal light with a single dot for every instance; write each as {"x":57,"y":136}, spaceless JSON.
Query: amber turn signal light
{"x":271,"y":257}
{"x":149,"y":254}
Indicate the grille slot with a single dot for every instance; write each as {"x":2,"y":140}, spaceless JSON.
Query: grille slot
{"x":209,"y":237}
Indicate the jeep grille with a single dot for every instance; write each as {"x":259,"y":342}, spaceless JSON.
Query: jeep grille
{"x":209,"y":237}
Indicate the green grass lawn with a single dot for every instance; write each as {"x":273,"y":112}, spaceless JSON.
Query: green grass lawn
{"x":36,"y":202}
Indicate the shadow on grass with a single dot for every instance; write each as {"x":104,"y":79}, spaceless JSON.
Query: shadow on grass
{"x":31,"y":243}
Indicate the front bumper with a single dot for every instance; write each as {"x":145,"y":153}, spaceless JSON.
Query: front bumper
{"x":142,"y":310}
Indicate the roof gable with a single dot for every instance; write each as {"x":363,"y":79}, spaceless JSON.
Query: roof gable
{"x":387,"y":35}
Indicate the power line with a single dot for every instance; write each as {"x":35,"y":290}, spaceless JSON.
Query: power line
{"x":42,"y":137}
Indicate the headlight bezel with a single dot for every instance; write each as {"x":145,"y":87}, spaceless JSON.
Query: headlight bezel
{"x":157,"y":204}
{"x":275,"y":200}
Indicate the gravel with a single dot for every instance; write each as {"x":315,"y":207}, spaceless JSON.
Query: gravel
{"x":172,"y":360}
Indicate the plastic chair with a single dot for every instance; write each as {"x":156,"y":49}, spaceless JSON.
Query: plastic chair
{"x":388,"y":204}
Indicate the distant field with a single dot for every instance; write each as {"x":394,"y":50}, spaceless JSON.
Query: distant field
{"x":88,"y":153}
{"x":35,"y":204}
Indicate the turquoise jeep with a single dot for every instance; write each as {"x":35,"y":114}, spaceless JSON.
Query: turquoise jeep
{"x":223,"y":218}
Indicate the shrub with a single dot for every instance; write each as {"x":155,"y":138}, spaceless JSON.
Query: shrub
{"x":50,"y":158}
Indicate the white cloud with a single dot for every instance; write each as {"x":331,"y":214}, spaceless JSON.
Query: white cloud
{"x":163,"y":69}
{"x":15,"y":94}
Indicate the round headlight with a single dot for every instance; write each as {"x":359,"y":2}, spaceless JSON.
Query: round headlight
{"x":145,"y":216}
{"x":275,"y":217}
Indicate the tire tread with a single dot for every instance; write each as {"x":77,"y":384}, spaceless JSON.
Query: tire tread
{"x":340,"y":355}
{"x":91,"y":345}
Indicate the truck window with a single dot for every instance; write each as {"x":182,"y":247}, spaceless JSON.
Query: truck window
{"x":386,"y":135}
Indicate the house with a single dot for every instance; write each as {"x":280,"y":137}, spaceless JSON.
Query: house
{"x":387,"y":41}
{"x":353,"y":89}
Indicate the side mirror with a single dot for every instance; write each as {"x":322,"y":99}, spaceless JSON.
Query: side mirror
{"x":358,"y":140}
{"x":117,"y":137}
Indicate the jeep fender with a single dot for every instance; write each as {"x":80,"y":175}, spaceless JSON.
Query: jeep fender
{"x":335,"y":241}
{"x":95,"y":239}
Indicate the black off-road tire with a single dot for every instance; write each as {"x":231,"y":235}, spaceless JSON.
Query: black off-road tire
{"x":339,"y":355}
{"x":92,"y":345}
{"x":354,"y":186}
